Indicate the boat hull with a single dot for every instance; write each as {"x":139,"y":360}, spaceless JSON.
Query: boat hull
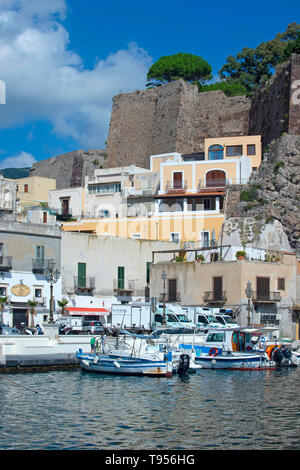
{"x":123,"y":365}
{"x":238,"y":362}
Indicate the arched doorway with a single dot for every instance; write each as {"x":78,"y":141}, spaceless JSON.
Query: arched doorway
{"x":215,"y":178}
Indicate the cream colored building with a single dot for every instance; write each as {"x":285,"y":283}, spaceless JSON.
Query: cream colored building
{"x":33,"y":190}
{"x":223,"y":283}
{"x":186,"y":194}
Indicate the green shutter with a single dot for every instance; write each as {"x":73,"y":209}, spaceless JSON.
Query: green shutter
{"x":81,"y":274}
{"x":121,"y":277}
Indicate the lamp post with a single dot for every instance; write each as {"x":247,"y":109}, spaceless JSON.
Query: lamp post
{"x":52,"y":276}
{"x":164,"y":277}
{"x":249,"y":293}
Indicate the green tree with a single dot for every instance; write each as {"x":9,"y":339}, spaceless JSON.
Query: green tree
{"x":293,"y":47}
{"x":63,"y":303}
{"x":187,"y":66}
{"x":253,"y":67}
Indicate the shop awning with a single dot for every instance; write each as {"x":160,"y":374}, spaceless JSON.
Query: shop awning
{"x":88,"y":310}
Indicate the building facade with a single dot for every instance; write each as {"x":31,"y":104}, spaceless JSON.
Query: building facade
{"x":26,"y":250}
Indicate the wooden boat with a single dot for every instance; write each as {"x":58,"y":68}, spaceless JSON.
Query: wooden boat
{"x":124,"y":365}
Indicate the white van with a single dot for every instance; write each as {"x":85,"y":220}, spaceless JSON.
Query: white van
{"x":226,"y":321}
{"x":207,"y":320}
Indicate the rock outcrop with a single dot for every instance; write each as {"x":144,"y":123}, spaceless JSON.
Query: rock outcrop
{"x":273,"y":192}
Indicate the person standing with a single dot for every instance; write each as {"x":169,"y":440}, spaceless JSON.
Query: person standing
{"x":93,"y":344}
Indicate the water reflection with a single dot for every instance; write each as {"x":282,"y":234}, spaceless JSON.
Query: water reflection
{"x":207,"y":410}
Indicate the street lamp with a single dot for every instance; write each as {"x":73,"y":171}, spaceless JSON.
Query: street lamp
{"x":52,"y":276}
{"x":249,"y":293}
{"x":164,"y":277}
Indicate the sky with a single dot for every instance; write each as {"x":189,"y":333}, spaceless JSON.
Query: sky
{"x":62,"y":61}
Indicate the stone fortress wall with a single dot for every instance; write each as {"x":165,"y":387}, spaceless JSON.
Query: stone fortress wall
{"x":176,"y":118}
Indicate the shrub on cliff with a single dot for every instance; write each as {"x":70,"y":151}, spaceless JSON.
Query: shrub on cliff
{"x":233,"y":88}
{"x":173,"y":67}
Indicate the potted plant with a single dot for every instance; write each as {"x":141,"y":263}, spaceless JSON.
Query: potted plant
{"x":240,"y":254}
{"x":200,"y":258}
{"x":179,"y":259}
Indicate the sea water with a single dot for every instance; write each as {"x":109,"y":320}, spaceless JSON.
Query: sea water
{"x":77,"y":410}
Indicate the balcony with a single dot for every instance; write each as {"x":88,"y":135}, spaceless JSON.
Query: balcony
{"x":215,"y":187}
{"x":178,"y":187}
{"x":63,"y":214}
{"x":167,"y":297}
{"x":124,"y":286}
{"x":39,"y":265}
{"x":266,"y":297}
{"x":5,"y":263}
{"x":84,"y":285}
{"x":40,"y":300}
{"x":212,"y":297}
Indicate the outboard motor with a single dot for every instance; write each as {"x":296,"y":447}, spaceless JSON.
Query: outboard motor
{"x":184,"y":364}
{"x":277,"y":356}
{"x":287,"y":354}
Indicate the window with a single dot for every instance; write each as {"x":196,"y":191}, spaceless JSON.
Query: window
{"x":39,"y":256}
{"x":3,"y":291}
{"x":172,"y":290}
{"x":215,"y":152}
{"x":251,"y":149}
{"x":202,"y":319}
{"x":205,"y":239}
{"x":81,"y":270}
{"x":135,"y":235}
{"x":45,"y":217}
{"x":174,"y":237}
{"x":215,"y":338}
{"x":281,"y":283}
{"x":38,"y":293}
{"x":104,"y":188}
{"x":25,"y":188}
{"x":218,"y":287}
{"x":121,"y":277}
{"x":234,"y":150}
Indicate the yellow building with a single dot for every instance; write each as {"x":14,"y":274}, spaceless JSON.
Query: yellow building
{"x":188,"y":206}
{"x":33,"y":190}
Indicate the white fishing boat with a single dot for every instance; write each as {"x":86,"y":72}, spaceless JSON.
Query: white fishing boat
{"x":131,"y":355}
{"x":233,"y":348}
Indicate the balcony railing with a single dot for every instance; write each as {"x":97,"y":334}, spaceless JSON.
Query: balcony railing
{"x":176,"y":187}
{"x":215,"y":297}
{"x":124,"y":285}
{"x":40,"y":300}
{"x":84,"y":284}
{"x":216,"y":186}
{"x":266,"y":297}
{"x":39,"y":265}
{"x":5,"y":263}
{"x":167,"y":297}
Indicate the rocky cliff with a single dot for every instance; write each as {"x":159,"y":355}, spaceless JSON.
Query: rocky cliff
{"x":273,"y":192}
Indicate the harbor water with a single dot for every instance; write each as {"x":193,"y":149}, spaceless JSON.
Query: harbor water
{"x":218,"y":410}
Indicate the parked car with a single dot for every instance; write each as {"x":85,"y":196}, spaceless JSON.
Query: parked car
{"x":8,"y":330}
{"x":92,"y":327}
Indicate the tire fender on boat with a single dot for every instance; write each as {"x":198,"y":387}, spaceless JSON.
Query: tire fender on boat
{"x":213,"y":352}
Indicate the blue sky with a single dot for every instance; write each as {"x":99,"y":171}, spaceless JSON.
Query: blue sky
{"x":62,"y":61}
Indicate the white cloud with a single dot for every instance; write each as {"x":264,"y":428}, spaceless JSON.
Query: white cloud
{"x":22,"y":160}
{"x":46,"y":80}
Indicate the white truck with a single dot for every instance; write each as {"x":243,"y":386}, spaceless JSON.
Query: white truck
{"x":140,"y":316}
{"x":203,"y":317}
{"x":70,"y":322}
